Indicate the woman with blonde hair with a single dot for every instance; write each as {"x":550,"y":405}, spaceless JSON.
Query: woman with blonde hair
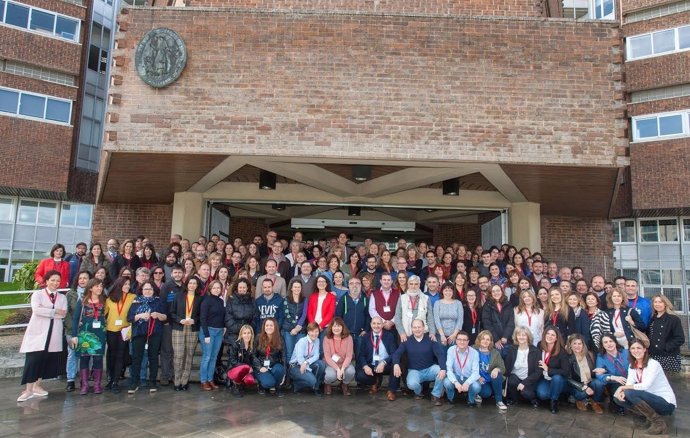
{"x":240,"y":359}
{"x":666,"y":335}
{"x":558,"y":314}
{"x":491,"y":369}
{"x":583,"y":384}
{"x":522,"y":367}
{"x":527,"y":314}
{"x":622,"y":319}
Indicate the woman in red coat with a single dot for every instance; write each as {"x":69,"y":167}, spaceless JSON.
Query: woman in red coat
{"x":321,"y":306}
{"x":55,"y":262}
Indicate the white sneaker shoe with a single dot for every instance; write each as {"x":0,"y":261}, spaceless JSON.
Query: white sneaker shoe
{"x":501,"y":406}
{"x":478,"y":399}
{"x":24,"y":396}
{"x":40,"y":392}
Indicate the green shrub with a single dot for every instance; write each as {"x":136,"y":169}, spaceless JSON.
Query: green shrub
{"x":24,"y":277}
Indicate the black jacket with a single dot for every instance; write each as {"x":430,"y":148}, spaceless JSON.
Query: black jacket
{"x":558,"y":364}
{"x":501,"y":325}
{"x":565,"y":327}
{"x":277,"y":356}
{"x":534,"y":373}
{"x":666,"y":335}
{"x":365,"y":355}
{"x":467,"y":326}
{"x":238,"y":355}
{"x":576,"y":380}
{"x":624,"y":311}
{"x":178,"y":311}
{"x":239,"y":310}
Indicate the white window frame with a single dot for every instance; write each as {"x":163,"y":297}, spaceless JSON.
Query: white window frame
{"x":13,"y":211}
{"x":685,"y":114}
{"x":617,"y":240}
{"x":593,"y":10}
{"x":685,"y":219}
{"x":73,"y":204}
{"x":75,"y":39}
{"x":45,"y":107}
{"x":676,"y":39}
{"x":658,"y":242}
{"x":35,"y":223}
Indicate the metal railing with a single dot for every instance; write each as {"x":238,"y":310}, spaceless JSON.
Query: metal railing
{"x":25,"y":305}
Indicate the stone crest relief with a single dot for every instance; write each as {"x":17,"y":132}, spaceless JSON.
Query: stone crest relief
{"x":160,"y":57}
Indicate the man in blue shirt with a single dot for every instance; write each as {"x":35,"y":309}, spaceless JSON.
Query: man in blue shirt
{"x":306,"y":370}
{"x":426,"y":362}
{"x":642,"y":305}
{"x":462,"y":363}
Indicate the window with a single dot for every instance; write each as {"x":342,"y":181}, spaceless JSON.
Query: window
{"x":624,"y":231}
{"x":35,"y":106}
{"x":40,"y":20}
{"x":6,"y":210}
{"x":665,"y":230}
{"x":75,"y":215}
{"x":37,"y":213}
{"x":91,"y":132}
{"x":99,"y":49}
{"x":686,"y":231}
{"x":662,"y":42}
{"x":603,"y":9}
{"x":657,"y":126}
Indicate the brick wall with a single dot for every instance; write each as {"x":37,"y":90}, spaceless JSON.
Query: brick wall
{"x":633,"y":5}
{"x":584,"y":242}
{"x":450,"y":7}
{"x":403,"y":87}
{"x":659,"y":71}
{"x":446,"y":234}
{"x":665,"y":22}
{"x":126,"y":221}
{"x":246,"y":228}
{"x":660,"y":174}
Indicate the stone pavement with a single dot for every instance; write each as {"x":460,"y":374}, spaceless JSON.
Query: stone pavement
{"x":212,"y":414}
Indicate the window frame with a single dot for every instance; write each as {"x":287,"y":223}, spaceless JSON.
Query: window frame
{"x":36,"y":223}
{"x":45,"y":106}
{"x":75,"y":38}
{"x":593,"y":8}
{"x":676,"y":41}
{"x":638,"y":224}
{"x":685,"y":114}
{"x":13,"y":211}
{"x":75,"y":225}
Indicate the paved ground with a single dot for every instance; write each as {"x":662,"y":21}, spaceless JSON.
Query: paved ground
{"x":195,"y":413}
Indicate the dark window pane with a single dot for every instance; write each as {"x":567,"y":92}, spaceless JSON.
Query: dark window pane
{"x":42,"y":21}
{"x":17,"y":15}
{"x":8,"y":101}
{"x":94,"y":57}
{"x":31,"y":105}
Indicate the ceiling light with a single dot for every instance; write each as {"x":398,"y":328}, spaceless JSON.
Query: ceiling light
{"x":361,"y":173}
{"x":267,"y":180}
{"x":451,"y":187}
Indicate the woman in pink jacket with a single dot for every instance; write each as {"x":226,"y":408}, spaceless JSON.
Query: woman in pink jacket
{"x":337,"y":352}
{"x":43,"y":336}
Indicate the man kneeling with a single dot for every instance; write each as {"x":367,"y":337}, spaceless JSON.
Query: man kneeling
{"x":374,"y":359}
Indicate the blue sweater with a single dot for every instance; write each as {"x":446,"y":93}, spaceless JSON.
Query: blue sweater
{"x":421,"y":354}
{"x":356,"y":316}
{"x":643,"y":307}
{"x":272,"y":308}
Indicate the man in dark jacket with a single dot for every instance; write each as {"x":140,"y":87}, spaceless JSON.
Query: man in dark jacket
{"x":354,"y":309}
{"x":169,"y":291}
{"x":374,"y":359}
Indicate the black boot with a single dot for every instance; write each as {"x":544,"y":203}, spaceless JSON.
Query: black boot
{"x":70,"y":386}
{"x":554,"y":406}
{"x":236,"y":391}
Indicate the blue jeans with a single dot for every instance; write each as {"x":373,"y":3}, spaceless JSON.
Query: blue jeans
{"x":495,"y":387}
{"x":550,"y":389}
{"x":72,"y":361}
{"x":271,"y":378}
{"x":310,"y":379}
{"x":144,"y":371}
{"x":209,"y":352}
{"x":290,"y":342}
{"x":634,"y":396}
{"x":475,"y":388}
{"x":415,"y":378}
{"x":596,"y":385}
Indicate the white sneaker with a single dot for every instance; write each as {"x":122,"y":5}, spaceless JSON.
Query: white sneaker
{"x":501,"y":406}
{"x":477,"y":399}
{"x":24,"y":396}
{"x":40,"y":392}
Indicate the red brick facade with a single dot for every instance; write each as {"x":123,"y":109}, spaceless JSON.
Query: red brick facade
{"x":246,"y":228}
{"x":469,"y":234}
{"x":584,"y":242}
{"x":126,"y":221}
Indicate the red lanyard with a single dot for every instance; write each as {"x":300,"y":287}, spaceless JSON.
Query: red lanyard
{"x":457,"y":357}
{"x":529,"y":318}
{"x":384,"y":297}
{"x":461,"y":295}
{"x":499,"y":307}
{"x":554,"y":318}
{"x":413,"y":302}
{"x":268,"y":352}
{"x":474,"y":316}
{"x":128,"y":260}
{"x":121,"y":304}
{"x":310,"y":348}
{"x":189,"y":305}
{"x":634,"y":304}
{"x":52,"y":297}
{"x":617,"y":317}
{"x":95,"y":310}
{"x":615,"y":364}
{"x":547,"y":357}
{"x":378,"y":341}
{"x":639,"y":372}
{"x":152,"y":325}
{"x":203,"y":291}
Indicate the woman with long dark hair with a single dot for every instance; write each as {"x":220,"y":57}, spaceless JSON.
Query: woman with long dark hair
{"x":555,"y":368}
{"x":94,"y":259}
{"x":88,"y":335}
{"x":117,"y":307}
{"x":125,"y":258}
{"x":184,"y":313}
{"x":269,"y":358}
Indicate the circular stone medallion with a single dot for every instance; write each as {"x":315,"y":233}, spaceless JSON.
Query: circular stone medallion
{"x":160,"y":57}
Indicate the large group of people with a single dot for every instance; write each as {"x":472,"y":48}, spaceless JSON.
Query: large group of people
{"x":451,"y":321}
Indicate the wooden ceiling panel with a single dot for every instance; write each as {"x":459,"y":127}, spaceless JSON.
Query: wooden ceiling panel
{"x":345,"y":170}
{"x":248,"y":173}
{"x":473,"y":181}
{"x":567,"y":191}
{"x":142,"y":178}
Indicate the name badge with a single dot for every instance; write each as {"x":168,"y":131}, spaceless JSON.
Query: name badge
{"x":377,"y":358}
{"x":96,"y":324}
{"x":409,"y":314}
{"x":267,"y":363}
{"x":474,"y":330}
{"x":118,"y":322}
{"x":146,"y":346}
{"x":335,"y":358}
{"x":386,"y":308}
